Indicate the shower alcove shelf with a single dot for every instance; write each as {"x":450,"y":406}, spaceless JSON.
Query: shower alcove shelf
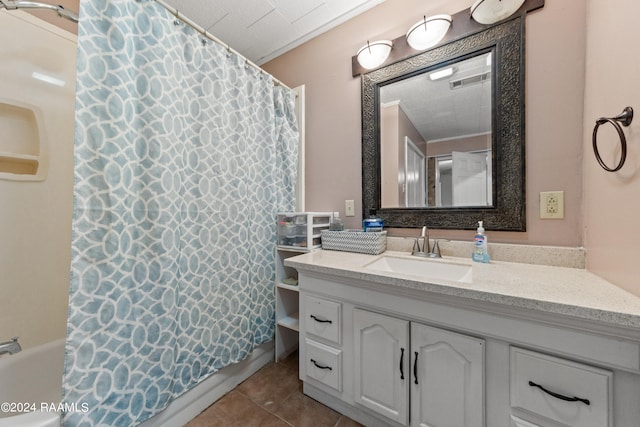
{"x":298,"y":232}
{"x":22,"y":151}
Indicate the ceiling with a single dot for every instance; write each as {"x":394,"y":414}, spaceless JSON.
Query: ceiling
{"x":264,"y":29}
{"x":259,"y":29}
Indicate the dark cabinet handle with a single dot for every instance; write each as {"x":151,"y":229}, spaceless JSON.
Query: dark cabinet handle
{"x":559,"y":396}
{"x":401,"y":363}
{"x":320,"y":366}
{"x":320,"y":320}
{"x":415,"y":369}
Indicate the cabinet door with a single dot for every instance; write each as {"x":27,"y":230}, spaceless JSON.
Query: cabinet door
{"x":381,"y":364}
{"x":447,"y":378}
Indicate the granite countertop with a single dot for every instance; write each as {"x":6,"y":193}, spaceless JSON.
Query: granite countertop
{"x":571,"y":292}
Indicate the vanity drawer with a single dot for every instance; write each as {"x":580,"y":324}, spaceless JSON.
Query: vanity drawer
{"x":518,"y":422}
{"x":323,"y":364}
{"x":322,"y":318}
{"x":531,"y":371}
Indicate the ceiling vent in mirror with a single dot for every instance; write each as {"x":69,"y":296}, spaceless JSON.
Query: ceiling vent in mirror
{"x":428,"y":32}
{"x":492,"y":11}
{"x":471,"y":80}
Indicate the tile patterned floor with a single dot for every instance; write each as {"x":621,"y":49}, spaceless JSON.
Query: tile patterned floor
{"x":272,"y":397}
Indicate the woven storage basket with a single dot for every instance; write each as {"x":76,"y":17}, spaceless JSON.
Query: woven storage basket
{"x":372,"y":243}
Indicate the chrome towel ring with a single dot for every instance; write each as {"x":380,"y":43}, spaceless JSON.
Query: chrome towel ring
{"x":623,"y":118}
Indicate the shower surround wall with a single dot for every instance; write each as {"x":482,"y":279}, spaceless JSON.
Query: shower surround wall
{"x":35,"y":216}
{"x":183,"y":156}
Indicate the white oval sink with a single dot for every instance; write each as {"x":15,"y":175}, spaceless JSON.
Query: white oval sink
{"x":428,"y":268}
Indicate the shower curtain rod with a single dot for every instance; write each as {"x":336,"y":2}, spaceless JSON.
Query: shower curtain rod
{"x":210,"y":36}
{"x":72,"y":16}
{"x":24,"y":4}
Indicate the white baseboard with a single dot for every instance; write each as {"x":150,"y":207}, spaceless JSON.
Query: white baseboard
{"x":189,"y":405}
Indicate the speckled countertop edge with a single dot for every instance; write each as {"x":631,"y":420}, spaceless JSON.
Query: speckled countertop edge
{"x":570,"y":292}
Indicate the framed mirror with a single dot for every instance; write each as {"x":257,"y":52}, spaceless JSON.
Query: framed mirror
{"x":443,"y":140}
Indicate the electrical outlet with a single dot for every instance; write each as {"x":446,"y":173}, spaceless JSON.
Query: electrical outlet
{"x":349,"y":208}
{"x":552,"y":204}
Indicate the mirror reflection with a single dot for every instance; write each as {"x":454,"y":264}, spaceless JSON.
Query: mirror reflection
{"x":436,"y":140}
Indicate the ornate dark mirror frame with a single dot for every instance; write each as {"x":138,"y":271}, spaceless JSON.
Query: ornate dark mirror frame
{"x":508,"y":212}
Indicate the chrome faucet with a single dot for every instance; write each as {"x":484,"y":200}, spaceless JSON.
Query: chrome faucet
{"x":426,"y":246}
{"x":11,"y":347}
{"x":425,"y":251}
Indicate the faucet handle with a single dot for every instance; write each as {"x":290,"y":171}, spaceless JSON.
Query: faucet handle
{"x":436,"y":247}
{"x":416,"y":245}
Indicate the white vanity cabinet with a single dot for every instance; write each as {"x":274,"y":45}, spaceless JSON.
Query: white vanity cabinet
{"x":434,"y":373}
{"x":365,"y":342}
{"x":389,"y":369}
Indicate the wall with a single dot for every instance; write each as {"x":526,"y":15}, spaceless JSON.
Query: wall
{"x":611,"y":200}
{"x":53,"y":18}
{"x":394,"y":127}
{"x":464,"y":144}
{"x":390,"y":153}
{"x":555,"y":49}
{"x":35,"y":217}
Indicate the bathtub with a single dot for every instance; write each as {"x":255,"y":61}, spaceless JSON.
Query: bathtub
{"x":32,"y":378}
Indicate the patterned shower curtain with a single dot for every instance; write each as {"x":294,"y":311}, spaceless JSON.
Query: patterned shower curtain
{"x":183,"y":156}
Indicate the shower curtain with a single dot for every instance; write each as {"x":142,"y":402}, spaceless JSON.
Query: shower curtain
{"x":183,"y":157}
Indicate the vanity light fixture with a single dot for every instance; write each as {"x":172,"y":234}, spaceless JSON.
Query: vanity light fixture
{"x":491,"y":11}
{"x":428,"y":31}
{"x":441,"y":74}
{"x":374,"y":54}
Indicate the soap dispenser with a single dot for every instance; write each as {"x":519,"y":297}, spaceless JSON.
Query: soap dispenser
{"x":480,"y":249}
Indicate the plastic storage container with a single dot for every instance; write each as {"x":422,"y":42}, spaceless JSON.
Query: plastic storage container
{"x":300,"y":231}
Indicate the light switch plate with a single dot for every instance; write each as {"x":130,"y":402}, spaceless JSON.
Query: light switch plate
{"x":349,"y":208}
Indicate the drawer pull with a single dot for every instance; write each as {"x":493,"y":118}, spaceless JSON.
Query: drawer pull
{"x":320,"y":366}
{"x":401,"y":363}
{"x":559,"y":396}
{"x":320,"y":320}
{"x":415,"y":369}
